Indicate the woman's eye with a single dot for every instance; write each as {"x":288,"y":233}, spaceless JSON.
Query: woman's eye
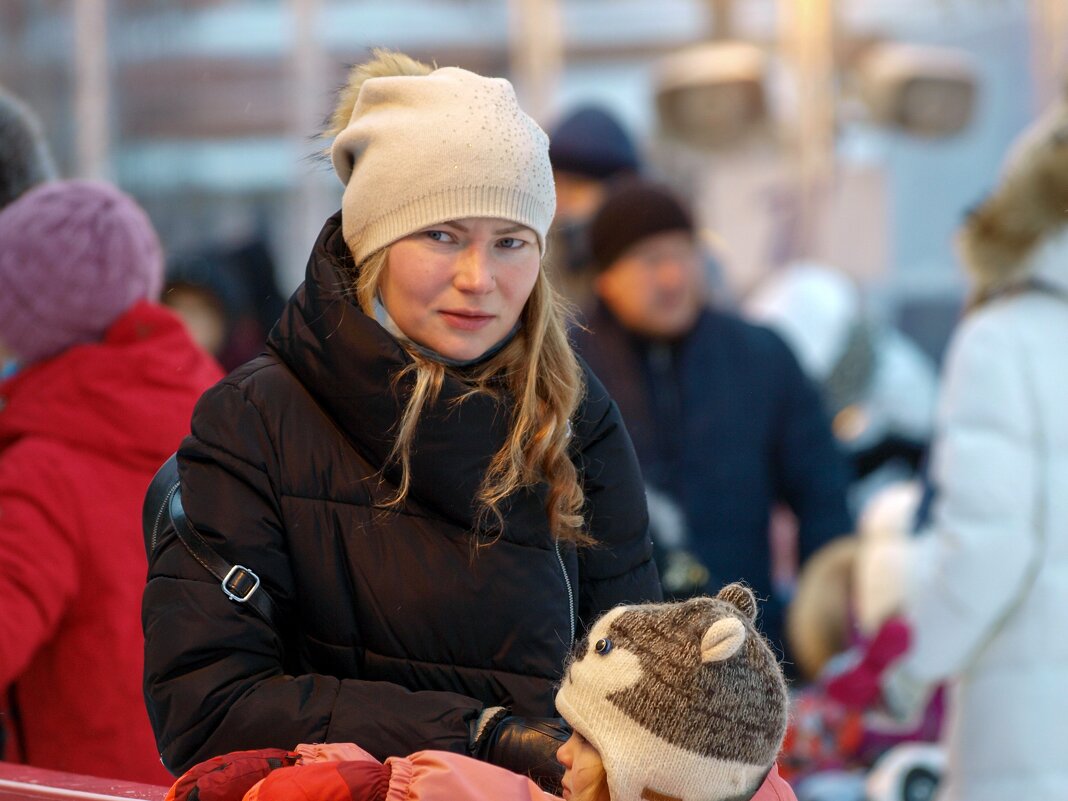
{"x":511,"y":243}
{"x":603,"y":646}
{"x":439,"y":236}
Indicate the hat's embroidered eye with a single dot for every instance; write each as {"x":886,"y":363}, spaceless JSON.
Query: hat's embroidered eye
{"x":603,"y":646}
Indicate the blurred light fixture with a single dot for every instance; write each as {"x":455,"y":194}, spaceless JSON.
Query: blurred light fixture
{"x":712,"y":95}
{"x":922,"y":90}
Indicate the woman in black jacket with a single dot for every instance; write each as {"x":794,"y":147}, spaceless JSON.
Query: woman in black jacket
{"x":435,"y":493}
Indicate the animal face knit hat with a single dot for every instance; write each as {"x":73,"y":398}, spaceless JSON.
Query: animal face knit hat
{"x":424,"y":149}
{"x":75,"y":256}
{"x":683,"y":701}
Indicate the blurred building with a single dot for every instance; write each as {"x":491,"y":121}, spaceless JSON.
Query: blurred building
{"x":207,"y":109}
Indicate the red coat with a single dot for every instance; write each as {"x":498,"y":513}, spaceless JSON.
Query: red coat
{"x":81,"y":436}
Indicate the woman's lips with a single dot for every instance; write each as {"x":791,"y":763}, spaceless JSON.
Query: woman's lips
{"x":466,"y":321}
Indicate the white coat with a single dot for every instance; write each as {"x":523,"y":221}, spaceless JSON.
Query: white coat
{"x":985,"y":585}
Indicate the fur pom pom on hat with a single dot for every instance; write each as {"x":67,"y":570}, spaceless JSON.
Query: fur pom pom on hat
{"x":25,"y":160}
{"x":421,"y":148}
{"x":1029,"y":205}
{"x":633,"y":210}
{"x":75,"y":256}
{"x":682,"y":700}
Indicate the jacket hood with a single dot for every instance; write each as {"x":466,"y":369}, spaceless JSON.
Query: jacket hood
{"x":105,"y":396}
{"x":348,"y":362}
{"x":1000,"y":238}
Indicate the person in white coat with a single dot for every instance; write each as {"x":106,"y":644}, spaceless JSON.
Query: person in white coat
{"x":983,"y":587}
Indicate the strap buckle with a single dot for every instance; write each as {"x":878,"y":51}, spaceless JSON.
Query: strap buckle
{"x":234,"y":581}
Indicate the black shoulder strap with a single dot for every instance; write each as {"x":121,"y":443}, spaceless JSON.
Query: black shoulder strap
{"x":155,"y":511}
{"x":240,"y":584}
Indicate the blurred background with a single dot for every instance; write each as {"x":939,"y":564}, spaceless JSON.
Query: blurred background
{"x":854,"y":133}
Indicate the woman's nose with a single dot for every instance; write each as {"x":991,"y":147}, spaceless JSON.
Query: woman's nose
{"x":474,"y":273}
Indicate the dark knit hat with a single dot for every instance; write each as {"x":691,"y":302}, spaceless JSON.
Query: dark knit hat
{"x":589,"y":141}
{"x":24,"y":157}
{"x":633,"y":210}
{"x":75,"y":256}
{"x":682,"y":700}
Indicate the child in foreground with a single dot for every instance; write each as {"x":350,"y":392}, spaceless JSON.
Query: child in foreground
{"x":667,"y":702}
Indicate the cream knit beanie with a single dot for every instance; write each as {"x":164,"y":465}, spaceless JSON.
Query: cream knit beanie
{"x":425,"y":149}
{"x":683,"y":701}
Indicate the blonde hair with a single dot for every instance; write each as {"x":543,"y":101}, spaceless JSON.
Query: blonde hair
{"x":818,"y":617}
{"x":538,"y":369}
{"x":542,"y":376}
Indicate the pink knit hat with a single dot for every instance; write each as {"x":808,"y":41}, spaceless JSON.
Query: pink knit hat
{"x":74,"y":255}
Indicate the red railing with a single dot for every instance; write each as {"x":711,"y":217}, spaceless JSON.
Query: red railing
{"x":22,"y":783}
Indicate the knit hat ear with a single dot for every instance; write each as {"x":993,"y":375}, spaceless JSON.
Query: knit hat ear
{"x":722,"y":640}
{"x":741,"y":598}
{"x":76,"y":255}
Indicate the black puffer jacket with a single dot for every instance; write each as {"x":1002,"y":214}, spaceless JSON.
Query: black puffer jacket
{"x":395,"y":629}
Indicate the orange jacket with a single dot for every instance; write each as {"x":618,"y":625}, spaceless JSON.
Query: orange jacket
{"x":345,"y":772}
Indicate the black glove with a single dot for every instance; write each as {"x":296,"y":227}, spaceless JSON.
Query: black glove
{"x":524,"y":745}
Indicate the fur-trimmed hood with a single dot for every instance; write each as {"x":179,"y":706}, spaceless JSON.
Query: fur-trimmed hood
{"x":1028,"y":207}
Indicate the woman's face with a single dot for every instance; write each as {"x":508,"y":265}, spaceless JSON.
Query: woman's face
{"x":584,"y":777}
{"x":458,"y":288}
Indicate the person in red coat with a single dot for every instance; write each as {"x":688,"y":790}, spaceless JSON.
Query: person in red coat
{"x":97,"y":388}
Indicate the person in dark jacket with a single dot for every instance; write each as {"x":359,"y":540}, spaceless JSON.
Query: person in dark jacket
{"x":723,"y":420}
{"x":589,"y":149}
{"x":436,"y":493}
{"x":25,"y":159}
